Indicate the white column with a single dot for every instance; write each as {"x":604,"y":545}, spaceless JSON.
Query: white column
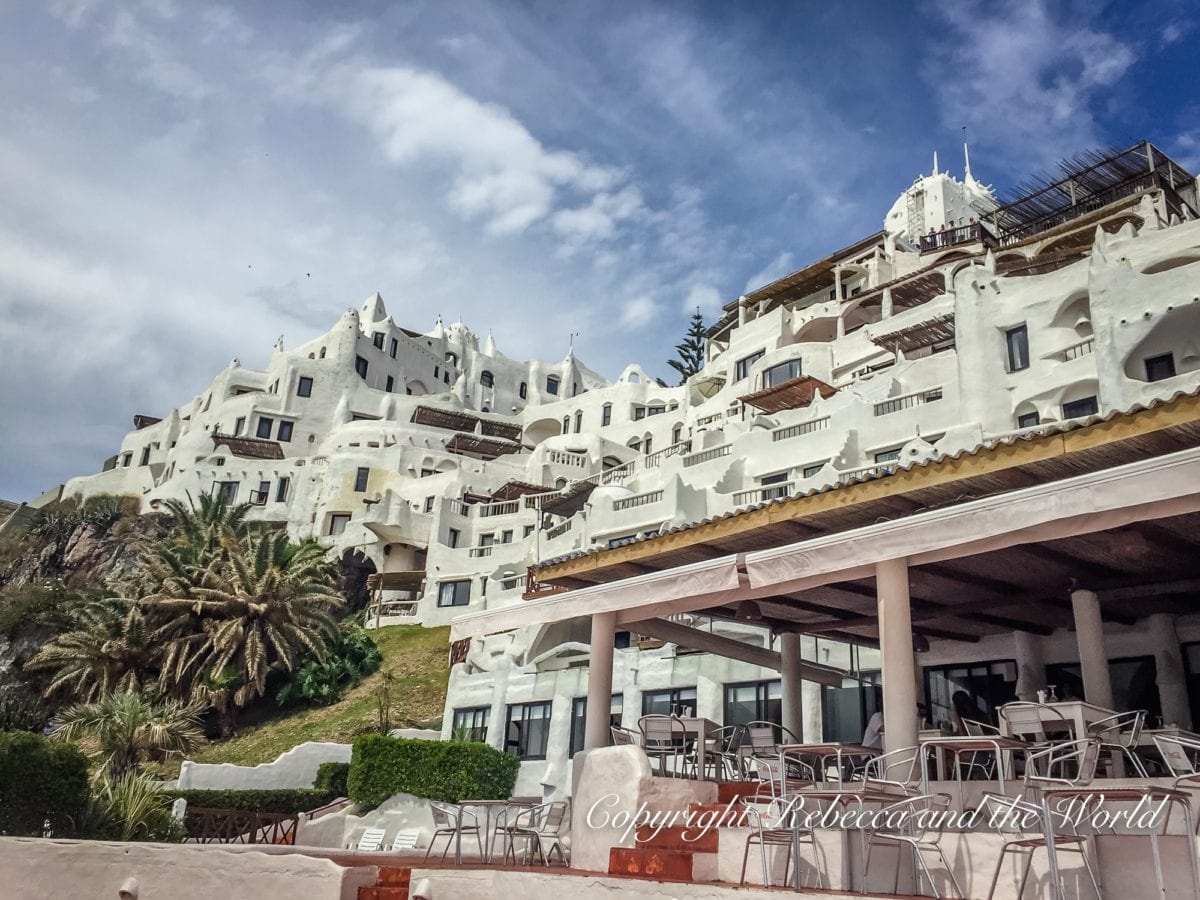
{"x":599,"y":695}
{"x":1031,"y":665}
{"x":885,"y":310}
{"x":896,"y":652}
{"x":1093,"y":659}
{"x":793,"y":685}
{"x":837,"y":283}
{"x":1168,"y":660}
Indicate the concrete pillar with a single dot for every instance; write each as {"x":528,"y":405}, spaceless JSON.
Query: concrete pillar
{"x":1093,"y":659}
{"x":1031,"y":665}
{"x":837,"y":283}
{"x":896,"y":652}
{"x":599,"y":695}
{"x":885,"y":304}
{"x":1168,"y":660}
{"x":792,"y":684}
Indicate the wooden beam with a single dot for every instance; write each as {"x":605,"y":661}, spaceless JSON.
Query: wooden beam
{"x":1107,"y":613}
{"x":1156,"y":589}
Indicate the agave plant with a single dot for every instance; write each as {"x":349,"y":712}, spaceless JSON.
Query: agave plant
{"x":131,"y":808}
{"x":129,"y":728}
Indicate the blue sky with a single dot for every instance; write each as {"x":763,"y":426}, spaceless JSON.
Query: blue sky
{"x":182,"y":182}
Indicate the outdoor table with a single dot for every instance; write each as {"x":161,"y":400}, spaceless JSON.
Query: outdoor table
{"x":860,"y":798}
{"x":956,"y":745}
{"x":701,"y":728}
{"x":840,"y":753}
{"x":486,"y":838}
{"x":1079,"y":714}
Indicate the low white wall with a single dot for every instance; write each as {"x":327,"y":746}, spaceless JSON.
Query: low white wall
{"x":343,"y":829}
{"x":36,"y":869}
{"x":294,"y":769}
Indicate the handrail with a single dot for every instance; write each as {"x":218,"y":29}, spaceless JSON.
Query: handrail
{"x":1082,"y":348}
{"x":695,"y":459}
{"x":560,"y":529}
{"x":961,"y":234}
{"x":652,"y":460}
{"x":459,"y":508}
{"x":238,"y":826}
{"x":501,"y":508}
{"x":485,"y":550}
{"x":791,"y":431}
{"x":765,"y":492}
{"x":638,"y":500}
{"x":567,"y":458}
{"x":907,"y":401}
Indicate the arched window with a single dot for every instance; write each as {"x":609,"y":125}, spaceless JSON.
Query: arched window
{"x":560,"y":483}
{"x":452,"y":359}
{"x":523,"y":390}
{"x":322,"y":353}
{"x":606,"y":414}
{"x":578,"y":421}
{"x":566,"y":424}
{"x":635,"y":444}
{"x":486,"y":379}
{"x":485,"y":408}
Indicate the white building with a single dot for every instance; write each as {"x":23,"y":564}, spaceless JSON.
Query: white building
{"x":451,"y":469}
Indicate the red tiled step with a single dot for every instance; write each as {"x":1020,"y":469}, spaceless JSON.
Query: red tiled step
{"x":392,"y":892}
{"x":674,"y":865}
{"x":685,"y":838}
{"x":728,"y":791}
{"x":393,"y":876}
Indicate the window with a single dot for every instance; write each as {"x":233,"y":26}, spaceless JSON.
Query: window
{"x":470,"y":724}
{"x":988,"y":684}
{"x":360,"y":366}
{"x":264,"y":427}
{"x":486,"y":540}
{"x":126,"y":459}
{"x":527,"y":729}
{"x":1134,"y":682}
{"x":606,"y":414}
{"x":552,"y":382}
{"x":145,"y":460}
{"x":527,"y":531}
{"x":281,"y":489}
{"x":1078,"y":408}
{"x":304,"y":386}
{"x":646,"y":446}
{"x":377,"y":339}
{"x":676,"y":434}
{"x":578,"y":421}
{"x":239,"y":424}
{"x":338,"y":522}
{"x":671,"y":702}
{"x":656,"y":410}
{"x":884,"y":456}
{"x":260,"y":497}
{"x":360,"y":479}
{"x":813,"y":470}
{"x":743,"y":366}
{"x":425,"y":473}
{"x":483,"y":580}
{"x":393,"y":348}
{"x":769,"y":493}
{"x":1028,"y":420}
{"x":1016,"y":340}
{"x":446,"y":376}
{"x":1160,"y":367}
{"x":454,"y":593}
{"x":574,"y":388}
{"x":506,"y":536}
{"x":390,"y":384}
{"x":436,"y":372}
{"x":452,"y":538}
{"x":226,"y":492}
{"x":566,"y":426}
{"x":754,"y":701}
{"x":523,"y":390}
{"x":579,"y":719}
{"x":285,"y":431}
{"x":639,"y":413}
{"x":780,"y":373}
{"x":428,"y":504}
{"x":486,"y":379}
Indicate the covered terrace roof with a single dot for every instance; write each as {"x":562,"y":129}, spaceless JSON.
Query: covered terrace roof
{"x":791,"y":394}
{"x":251,"y":448}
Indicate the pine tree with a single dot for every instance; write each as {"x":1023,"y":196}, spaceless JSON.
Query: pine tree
{"x":691,"y":350}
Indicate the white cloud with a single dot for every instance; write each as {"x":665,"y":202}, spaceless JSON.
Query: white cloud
{"x":638,"y":311}
{"x":1021,"y":79}
{"x":1173,"y":32}
{"x":704,"y":297}
{"x":778,"y":267}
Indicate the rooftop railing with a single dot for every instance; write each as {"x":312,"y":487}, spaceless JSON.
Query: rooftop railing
{"x":791,"y":431}
{"x":917,"y":398}
{"x":503,"y":508}
{"x":694,"y":459}
{"x":953,"y":237}
{"x":637,"y":500}
{"x":567,"y":458}
{"x":560,"y":529}
{"x":459,"y":508}
{"x":764,"y":493}
{"x":1075,"y":351}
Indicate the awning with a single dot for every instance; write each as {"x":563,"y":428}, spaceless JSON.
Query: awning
{"x":924,"y":333}
{"x":792,"y":394}
{"x":251,"y":448}
{"x":484,"y":448}
{"x":396,"y":581}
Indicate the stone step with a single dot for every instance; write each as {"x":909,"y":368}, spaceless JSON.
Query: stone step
{"x":689,"y":839}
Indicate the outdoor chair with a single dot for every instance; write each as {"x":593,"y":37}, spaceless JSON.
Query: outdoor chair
{"x":1037,"y":724}
{"x":724,"y":755}
{"x":765,"y":738}
{"x":1068,"y":765}
{"x":664,"y":738}
{"x":911,"y":823}
{"x":449,"y":822}
{"x":371,"y":840}
{"x":986,"y":767}
{"x":542,"y":829}
{"x":1179,"y":753}
{"x":1011,"y":816}
{"x":405,"y":839}
{"x":624,"y":737}
{"x":1120,"y":734}
{"x":891,"y":772}
{"x":779,"y":826}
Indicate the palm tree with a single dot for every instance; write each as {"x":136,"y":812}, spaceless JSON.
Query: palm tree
{"x":130,"y":727}
{"x":107,"y":649}
{"x":261,"y":608}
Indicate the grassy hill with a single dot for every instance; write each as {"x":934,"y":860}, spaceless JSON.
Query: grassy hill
{"x":418,"y":660}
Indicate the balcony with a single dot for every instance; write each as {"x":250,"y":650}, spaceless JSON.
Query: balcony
{"x":567,"y":458}
{"x":637,"y":500}
{"x":793,"y":431}
{"x":765,"y":493}
{"x":560,"y":529}
{"x":908,"y":401}
{"x":973,"y":233}
{"x":1076,"y":351}
{"x":478,"y":552}
{"x":393,"y":596}
{"x":503,"y":508}
{"x":695,"y":459}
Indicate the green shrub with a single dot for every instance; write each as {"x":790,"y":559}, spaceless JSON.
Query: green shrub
{"x":450,"y":771}
{"x":331,"y":778}
{"x":320,"y":682}
{"x":277,"y":800}
{"x":131,"y":808}
{"x":40,"y":780}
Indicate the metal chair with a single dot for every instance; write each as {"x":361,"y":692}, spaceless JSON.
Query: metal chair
{"x":765,"y":738}
{"x":540,"y":827}
{"x":1120,"y":734}
{"x":726,"y":753}
{"x":891,"y":772}
{"x":663,"y":738}
{"x":1011,"y":817}
{"x":624,"y":737}
{"x":784,"y":831}
{"x":1180,"y":754}
{"x":918,"y":827}
{"x":974,"y":728}
{"x":1027,"y":721}
{"x":448,"y":822}
{"x":1071,"y":764}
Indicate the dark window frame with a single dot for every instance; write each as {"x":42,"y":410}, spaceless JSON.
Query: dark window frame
{"x":528,"y":744}
{"x":361,"y":477}
{"x":1016,"y":348}
{"x":1152,"y":364}
{"x":553,"y":385}
{"x":616,"y":714}
{"x":455,"y":596}
{"x":304,"y":386}
{"x":676,"y":702}
{"x":1078,"y":409}
{"x":472,"y":719}
{"x":265,"y":426}
{"x":285,"y":431}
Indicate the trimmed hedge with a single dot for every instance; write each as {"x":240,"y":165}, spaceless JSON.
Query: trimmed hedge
{"x":331,"y":778}
{"x":40,"y":779}
{"x":450,"y":771}
{"x":279,"y":800}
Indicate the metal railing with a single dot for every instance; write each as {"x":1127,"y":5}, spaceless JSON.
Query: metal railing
{"x":238,"y":826}
{"x":883,"y":468}
{"x":764,"y":493}
{"x":695,"y":459}
{"x":560,"y":529}
{"x":952,"y":237}
{"x":791,"y":431}
{"x":1075,"y":351}
{"x":637,"y":500}
{"x":503,"y":508}
{"x":567,"y":458}
{"x":917,"y":398}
